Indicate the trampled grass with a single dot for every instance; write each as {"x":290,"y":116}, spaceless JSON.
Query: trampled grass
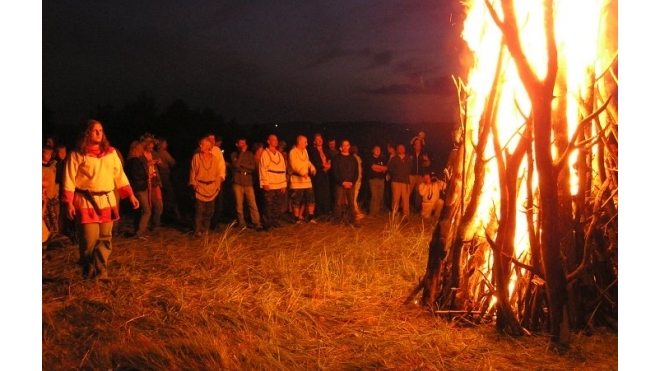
{"x":302,"y":297}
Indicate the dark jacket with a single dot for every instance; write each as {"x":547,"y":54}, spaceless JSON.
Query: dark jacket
{"x":136,"y":171}
{"x":345,"y":169}
{"x":243,"y":167}
{"x":419,"y":167}
{"x":369,"y":173}
{"x":399,"y":169}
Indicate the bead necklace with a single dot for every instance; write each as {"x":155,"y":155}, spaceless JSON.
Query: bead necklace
{"x":277,"y":154}
{"x":303,"y":155}
{"x":210,"y":161}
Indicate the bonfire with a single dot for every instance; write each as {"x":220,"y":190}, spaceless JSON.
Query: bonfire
{"x":530,"y":231}
{"x":527,"y":243}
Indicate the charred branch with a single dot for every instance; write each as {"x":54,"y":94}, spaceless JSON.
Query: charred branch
{"x":512,"y":259}
{"x":586,"y":256}
{"x":573,"y":142}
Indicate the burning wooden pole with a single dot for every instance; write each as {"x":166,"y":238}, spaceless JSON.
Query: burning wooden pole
{"x":538,"y":141}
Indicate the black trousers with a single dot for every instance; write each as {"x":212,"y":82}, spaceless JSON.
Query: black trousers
{"x":322,"y":193}
{"x":218,"y":212}
{"x":344,"y":210}
{"x":273,"y":208}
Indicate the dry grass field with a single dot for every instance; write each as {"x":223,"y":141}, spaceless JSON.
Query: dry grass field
{"x":302,"y":297}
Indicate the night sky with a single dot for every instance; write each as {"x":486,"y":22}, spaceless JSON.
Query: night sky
{"x":256,"y":61}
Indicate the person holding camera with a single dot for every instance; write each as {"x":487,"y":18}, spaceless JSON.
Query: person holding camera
{"x":429,"y":191}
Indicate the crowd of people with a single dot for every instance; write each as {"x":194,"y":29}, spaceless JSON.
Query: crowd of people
{"x":82,"y":187}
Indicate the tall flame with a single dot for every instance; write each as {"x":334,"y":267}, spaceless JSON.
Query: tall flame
{"x":582,"y":39}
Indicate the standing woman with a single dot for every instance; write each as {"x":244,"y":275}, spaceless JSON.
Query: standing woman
{"x":152,"y":199}
{"x":146,"y":185}
{"x":321,"y":180}
{"x":90,"y":176}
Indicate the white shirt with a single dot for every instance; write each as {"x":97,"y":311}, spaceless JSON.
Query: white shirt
{"x":216,"y":151}
{"x":430,"y":193}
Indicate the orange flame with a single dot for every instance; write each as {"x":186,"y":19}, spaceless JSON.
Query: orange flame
{"x":582,"y":37}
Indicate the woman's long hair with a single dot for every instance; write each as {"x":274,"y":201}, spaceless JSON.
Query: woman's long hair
{"x":83,"y":140}
{"x":136,"y":149}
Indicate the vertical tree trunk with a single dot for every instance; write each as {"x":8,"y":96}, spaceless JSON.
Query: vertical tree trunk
{"x":550,"y":233}
{"x":541,"y":95}
{"x":504,"y":242}
{"x":568,"y":221}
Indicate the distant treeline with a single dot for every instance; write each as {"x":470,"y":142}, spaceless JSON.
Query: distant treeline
{"x":183,"y":126}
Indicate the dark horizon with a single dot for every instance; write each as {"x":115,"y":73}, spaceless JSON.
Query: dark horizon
{"x":51,"y":117}
{"x":183,"y":126}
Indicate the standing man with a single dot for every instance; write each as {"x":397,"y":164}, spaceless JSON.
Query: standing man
{"x":358,"y":184}
{"x":301,"y":182}
{"x":206,"y":180}
{"x":332,"y":148}
{"x":243,"y":167}
{"x":321,"y":180}
{"x":272,"y":178}
{"x":92,"y":173}
{"x":421,"y":164}
{"x":387,"y":195}
{"x":345,"y":170}
{"x":216,"y":150}
{"x":399,"y":168}
{"x":375,"y":173}
{"x":332,"y":152}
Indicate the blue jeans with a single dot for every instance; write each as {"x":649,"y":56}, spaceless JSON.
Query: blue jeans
{"x":243,"y":193}
{"x":147,"y":209}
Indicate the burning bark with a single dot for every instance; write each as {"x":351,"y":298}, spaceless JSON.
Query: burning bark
{"x":537,"y":141}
